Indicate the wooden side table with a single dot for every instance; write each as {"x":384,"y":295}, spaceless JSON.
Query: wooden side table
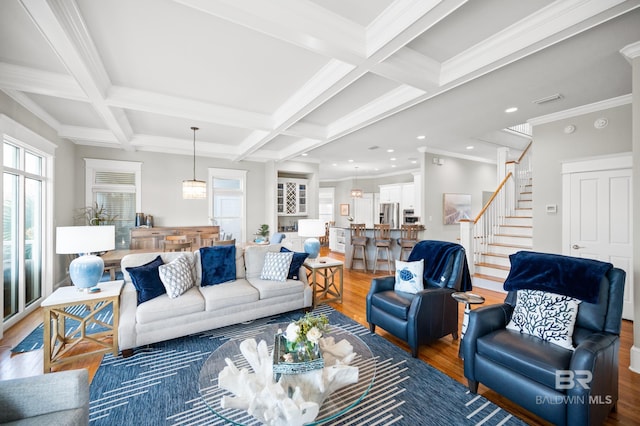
{"x":468,"y":299}
{"x":329,"y":289}
{"x":57,"y":343}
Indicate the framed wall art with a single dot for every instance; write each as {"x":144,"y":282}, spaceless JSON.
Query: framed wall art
{"x":344,"y":209}
{"x":456,"y":207}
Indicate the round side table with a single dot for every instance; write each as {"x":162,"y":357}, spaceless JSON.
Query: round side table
{"x":468,"y":299}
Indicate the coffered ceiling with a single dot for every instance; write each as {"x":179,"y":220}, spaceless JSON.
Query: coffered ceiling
{"x":326,"y":81}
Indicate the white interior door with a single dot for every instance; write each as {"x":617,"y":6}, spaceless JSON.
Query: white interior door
{"x":601,"y":222}
{"x":363,"y":210}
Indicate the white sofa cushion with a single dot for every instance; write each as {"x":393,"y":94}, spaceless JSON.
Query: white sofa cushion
{"x":268,"y":288}
{"x":276,"y":266}
{"x":228,"y":294}
{"x":162,"y":307}
{"x":254,"y":259}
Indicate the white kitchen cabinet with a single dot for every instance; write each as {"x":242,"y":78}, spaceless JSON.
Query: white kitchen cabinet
{"x":390,"y":193}
{"x":336,"y":239}
{"x":292,"y":197}
{"x":408,"y":197}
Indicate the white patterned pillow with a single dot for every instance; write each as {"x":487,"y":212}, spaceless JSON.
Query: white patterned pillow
{"x":276,"y":266}
{"x":548,"y":316}
{"x":177,"y":276}
{"x":409,"y":276}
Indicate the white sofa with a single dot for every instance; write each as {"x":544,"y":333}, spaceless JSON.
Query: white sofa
{"x":205,"y":308}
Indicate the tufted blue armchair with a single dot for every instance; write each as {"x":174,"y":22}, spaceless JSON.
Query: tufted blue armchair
{"x":541,"y":376}
{"x":431,"y":313}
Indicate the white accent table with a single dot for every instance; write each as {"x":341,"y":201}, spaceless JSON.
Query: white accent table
{"x":329,"y":288}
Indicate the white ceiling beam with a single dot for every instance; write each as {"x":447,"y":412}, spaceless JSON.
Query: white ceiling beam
{"x":61,"y":24}
{"x":34,"y":108}
{"x":545,"y":25}
{"x":174,"y":106}
{"x":40,"y":82}
{"x":101,"y":136}
{"x":298,"y":22}
{"x":327,"y":82}
{"x":409,"y":67}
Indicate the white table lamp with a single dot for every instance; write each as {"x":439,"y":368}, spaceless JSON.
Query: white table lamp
{"x":86,"y":270}
{"x":312,"y":228}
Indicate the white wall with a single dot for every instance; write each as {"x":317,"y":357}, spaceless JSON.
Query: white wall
{"x":551,"y":146}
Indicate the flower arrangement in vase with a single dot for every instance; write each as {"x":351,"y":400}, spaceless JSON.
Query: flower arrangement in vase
{"x":304,"y":334}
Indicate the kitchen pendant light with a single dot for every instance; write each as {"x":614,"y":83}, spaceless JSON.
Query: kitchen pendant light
{"x":194,"y":189}
{"x":356,"y":193}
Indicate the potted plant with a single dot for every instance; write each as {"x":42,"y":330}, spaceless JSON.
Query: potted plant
{"x":263,"y":234}
{"x":95,"y":215}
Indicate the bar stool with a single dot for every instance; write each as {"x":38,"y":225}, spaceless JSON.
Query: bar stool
{"x":382,"y":238}
{"x":358,"y":241}
{"x":408,"y":239}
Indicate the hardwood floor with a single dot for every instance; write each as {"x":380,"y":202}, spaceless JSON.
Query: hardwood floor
{"x":442,"y":354}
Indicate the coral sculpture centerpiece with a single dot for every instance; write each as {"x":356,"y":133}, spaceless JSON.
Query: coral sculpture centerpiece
{"x":293,"y":397}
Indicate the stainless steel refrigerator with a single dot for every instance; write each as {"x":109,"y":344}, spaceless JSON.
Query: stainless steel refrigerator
{"x":390,"y":213}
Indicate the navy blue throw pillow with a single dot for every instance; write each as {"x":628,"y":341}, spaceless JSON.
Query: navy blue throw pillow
{"x":218,"y":264}
{"x":146,"y":279}
{"x":296,"y":263}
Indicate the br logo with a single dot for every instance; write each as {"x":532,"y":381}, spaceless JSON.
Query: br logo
{"x":569,"y":379}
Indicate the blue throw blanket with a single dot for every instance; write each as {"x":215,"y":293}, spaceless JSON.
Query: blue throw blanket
{"x":436,"y":255}
{"x":554,"y":273}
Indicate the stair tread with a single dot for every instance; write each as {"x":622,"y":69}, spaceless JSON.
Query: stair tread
{"x":512,"y":235}
{"x":489,"y":277}
{"x":519,"y":217}
{"x":495,"y":254}
{"x":517,"y":226}
{"x":510,"y":245}
{"x":494,"y":266}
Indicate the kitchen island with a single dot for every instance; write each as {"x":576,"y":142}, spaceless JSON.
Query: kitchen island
{"x":345,"y":238}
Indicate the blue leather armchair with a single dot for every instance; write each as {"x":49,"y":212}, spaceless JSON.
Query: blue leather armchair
{"x":431,"y":313}
{"x":523,"y":368}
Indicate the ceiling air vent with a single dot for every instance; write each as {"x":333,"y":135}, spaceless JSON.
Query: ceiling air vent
{"x":554,"y":97}
{"x":373,"y":147}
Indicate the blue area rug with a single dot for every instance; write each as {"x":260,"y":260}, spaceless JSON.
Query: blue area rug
{"x":159,"y":384}
{"x":34,"y":340}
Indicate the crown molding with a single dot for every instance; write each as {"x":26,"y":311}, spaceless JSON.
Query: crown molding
{"x":582,"y":110}
{"x":34,"y":108}
{"x":40,"y":82}
{"x":631,"y":51}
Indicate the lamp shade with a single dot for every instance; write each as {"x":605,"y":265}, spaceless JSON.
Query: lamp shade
{"x":86,"y":270}
{"x":194,"y":189}
{"x":85,"y":239}
{"x":312,"y":228}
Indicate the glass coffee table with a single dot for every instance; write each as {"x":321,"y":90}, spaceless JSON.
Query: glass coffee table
{"x":335,"y":405}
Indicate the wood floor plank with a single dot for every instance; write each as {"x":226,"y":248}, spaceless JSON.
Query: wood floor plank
{"x":442,"y":354}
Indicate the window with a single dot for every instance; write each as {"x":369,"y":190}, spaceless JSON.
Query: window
{"x":25,"y":183}
{"x":115,"y":187}
{"x":326,"y":204}
{"x":228,"y":202}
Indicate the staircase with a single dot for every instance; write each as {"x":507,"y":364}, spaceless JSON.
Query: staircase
{"x":504,"y":226}
{"x":512,"y":236}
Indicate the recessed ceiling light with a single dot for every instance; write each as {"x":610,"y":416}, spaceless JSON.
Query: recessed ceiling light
{"x":304,"y":154}
{"x":334,"y":165}
{"x":392,"y":159}
{"x":470,"y":147}
{"x":390,"y":150}
{"x":414,"y":161}
{"x":351,"y":161}
{"x":421,"y":137}
{"x":393,"y":165}
{"x":511,"y":109}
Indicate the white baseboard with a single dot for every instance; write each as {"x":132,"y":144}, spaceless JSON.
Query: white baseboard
{"x":634,"y":365}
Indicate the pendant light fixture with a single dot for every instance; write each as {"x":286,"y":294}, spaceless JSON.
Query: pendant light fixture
{"x":194,"y":189}
{"x":356,"y":193}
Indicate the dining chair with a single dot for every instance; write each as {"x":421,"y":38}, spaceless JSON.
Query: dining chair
{"x":224,"y":243}
{"x":178,"y":246}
